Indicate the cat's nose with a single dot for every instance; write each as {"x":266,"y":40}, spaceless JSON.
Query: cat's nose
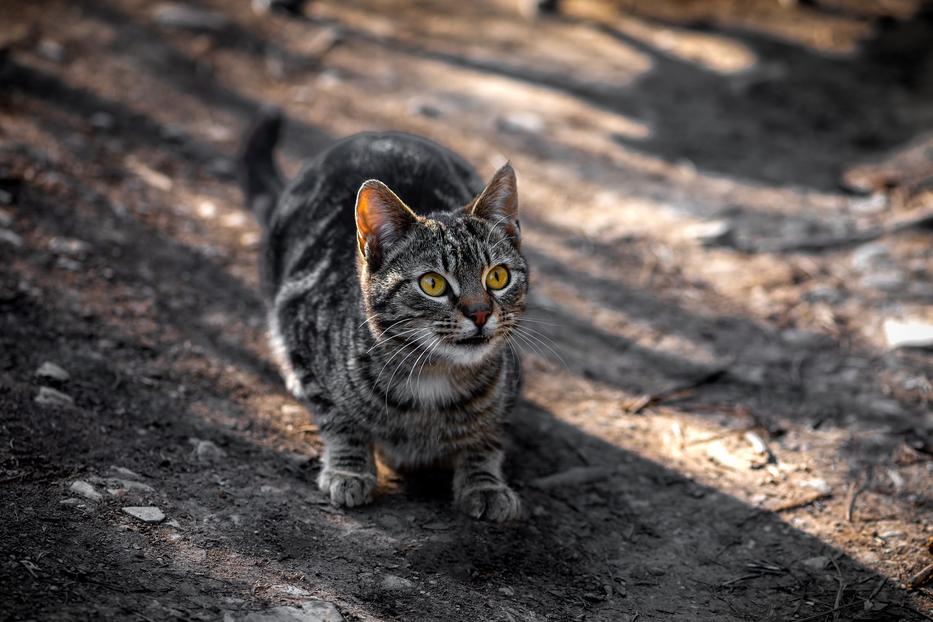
{"x":479,"y":317}
{"x":478,"y":313}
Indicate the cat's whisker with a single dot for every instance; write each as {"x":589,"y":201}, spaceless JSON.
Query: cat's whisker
{"x":415,"y":365}
{"x":402,"y":349}
{"x":395,"y":336}
{"x":392,"y":377}
{"x":394,"y":324}
{"x":543,"y":340}
{"x":492,"y":229}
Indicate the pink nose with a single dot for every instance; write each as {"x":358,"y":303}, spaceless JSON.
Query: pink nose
{"x":479,"y":317}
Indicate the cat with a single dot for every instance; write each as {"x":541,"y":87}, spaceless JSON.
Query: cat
{"x":394,"y":278}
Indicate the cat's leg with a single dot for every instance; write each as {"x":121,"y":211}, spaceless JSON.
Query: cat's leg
{"x":349,"y":472}
{"x":479,"y":486}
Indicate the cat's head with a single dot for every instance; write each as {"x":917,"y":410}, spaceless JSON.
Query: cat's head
{"x":452,"y":284}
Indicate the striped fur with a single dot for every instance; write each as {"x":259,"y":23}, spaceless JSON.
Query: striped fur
{"x":381,"y":364}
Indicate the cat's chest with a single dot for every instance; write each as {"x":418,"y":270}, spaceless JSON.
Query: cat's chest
{"x":431,"y":390}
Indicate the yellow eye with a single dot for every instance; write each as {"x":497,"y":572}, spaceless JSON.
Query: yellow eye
{"x":433,"y":284}
{"x":497,"y":278}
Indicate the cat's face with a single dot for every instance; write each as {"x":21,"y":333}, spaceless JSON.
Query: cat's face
{"x":447,"y":288}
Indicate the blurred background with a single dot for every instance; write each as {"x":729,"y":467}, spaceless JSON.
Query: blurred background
{"x":727,"y":206}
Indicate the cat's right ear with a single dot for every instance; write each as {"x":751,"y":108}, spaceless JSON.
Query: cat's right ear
{"x":381,"y":219}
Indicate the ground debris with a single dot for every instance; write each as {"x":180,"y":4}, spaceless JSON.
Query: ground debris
{"x":85,"y":489}
{"x":147,"y":514}
{"x":48,"y":396}
{"x":576,"y":476}
{"x":308,"y":611}
{"x":52,"y":371}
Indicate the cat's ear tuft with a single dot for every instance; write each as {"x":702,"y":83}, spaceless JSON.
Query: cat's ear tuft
{"x":381,"y":219}
{"x":498,"y":202}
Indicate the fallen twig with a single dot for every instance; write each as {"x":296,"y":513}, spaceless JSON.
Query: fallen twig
{"x":921,"y":578}
{"x":793,"y":505}
{"x":822,"y":243}
{"x":679,"y":390}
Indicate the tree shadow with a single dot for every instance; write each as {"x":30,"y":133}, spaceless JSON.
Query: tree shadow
{"x":799,"y":117}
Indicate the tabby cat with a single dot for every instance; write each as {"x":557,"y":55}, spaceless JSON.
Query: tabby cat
{"x":393,"y":279}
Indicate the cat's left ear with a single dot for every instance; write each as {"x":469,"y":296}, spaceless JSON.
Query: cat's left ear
{"x":498,"y":203}
{"x":381,"y":219}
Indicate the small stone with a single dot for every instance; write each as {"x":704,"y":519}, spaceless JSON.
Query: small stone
{"x":816,"y":563}
{"x":294,"y":590}
{"x":507,"y":591}
{"x":908,"y":333}
{"x":147,"y":514}
{"x":888,"y":281}
{"x":711,"y":232}
{"x":206,"y":451}
{"x":8,"y":237}
{"x":869,"y":256}
{"x":70,"y":501}
{"x":102,"y":121}
{"x":69,"y":246}
{"x":521,"y":122}
{"x":50,"y":397}
{"x":51,"y":50}
{"x":52,"y":371}
{"x":125,"y":472}
{"x":817,"y":484}
{"x":6,"y":218}
{"x":182,"y":16}
{"x":85,"y":490}
{"x":394,"y":583}
{"x":308,"y":611}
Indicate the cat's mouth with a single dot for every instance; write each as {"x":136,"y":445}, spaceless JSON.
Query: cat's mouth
{"x":474,"y":341}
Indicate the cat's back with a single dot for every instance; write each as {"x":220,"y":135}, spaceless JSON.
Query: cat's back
{"x":316,"y":210}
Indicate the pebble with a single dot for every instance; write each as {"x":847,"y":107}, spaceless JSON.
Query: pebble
{"x":102,"y":121}
{"x":182,"y":16}
{"x":868,"y":256}
{"x":85,"y":490}
{"x":50,"y":397}
{"x":908,"y":333}
{"x":10,"y":238}
{"x":308,"y":611}
{"x":68,"y":246}
{"x":521,"y":122}
{"x":394,"y":583}
{"x":507,"y":591}
{"x":125,"y":472}
{"x":51,"y":51}
{"x":817,"y":484}
{"x":710,"y":232}
{"x":147,"y":514}
{"x":207,"y":451}
{"x":573,"y":477}
{"x":53,"y":371}
{"x":816,"y":563}
{"x":887,"y":281}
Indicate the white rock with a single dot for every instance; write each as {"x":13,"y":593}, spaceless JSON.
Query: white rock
{"x":521,"y":122}
{"x":293,"y":590}
{"x":886,"y":281}
{"x":50,"y":397}
{"x":868,"y":256}
{"x":183,"y":16}
{"x":10,"y":238}
{"x":53,"y":371}
{"x":85,"y":490}
{"x":207,"y":451}
{"x":308,"y":611}
{"x":125,"y":472}
{"x":816,"y":563}
{"x":710,"y":232}
{"x":817,"y":484}
{"x":908,"y":333}
{"x":147,"y":514}
{"x":394,"y":583}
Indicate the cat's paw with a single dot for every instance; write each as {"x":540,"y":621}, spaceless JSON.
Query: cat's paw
{"x":498,"y":504}
{"x":346,"y":488}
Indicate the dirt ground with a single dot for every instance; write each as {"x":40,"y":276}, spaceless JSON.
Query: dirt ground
{"x":732,"y":438}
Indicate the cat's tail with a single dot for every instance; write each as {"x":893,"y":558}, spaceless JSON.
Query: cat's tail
{"x":259,"y":175}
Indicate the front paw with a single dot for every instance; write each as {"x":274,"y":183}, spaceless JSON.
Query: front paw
{"x":497,"y":504}
{"x":346,"y":488}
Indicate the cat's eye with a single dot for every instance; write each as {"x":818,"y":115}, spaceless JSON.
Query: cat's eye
{"x":497,"y":278}
{"x":433,"y":284}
